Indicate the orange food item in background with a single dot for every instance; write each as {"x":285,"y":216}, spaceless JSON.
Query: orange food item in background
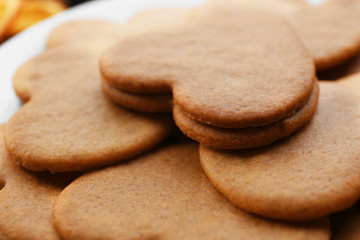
{"x":33,"y":11}
{"x":9,"y":9}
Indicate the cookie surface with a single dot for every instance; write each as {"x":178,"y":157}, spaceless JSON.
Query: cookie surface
{"x":240,"y":138}
{"x":203,"y":72}
{"x":306,"y":176}
{"x":163,"y":195}
{"x":329,"y":41}
{"x":75,"y":127}
{"x":27,"y":200}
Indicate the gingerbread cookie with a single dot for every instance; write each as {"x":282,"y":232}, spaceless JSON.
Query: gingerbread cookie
{"x":210,"y":83}
{"x":345,"y":225}
{"x":67,"y":124}
{"x":27,"y":200}
{"x":163,"y":195}
{"x":240,"y":138}
{"x":328,"y":40}
{"x":309,"y":175}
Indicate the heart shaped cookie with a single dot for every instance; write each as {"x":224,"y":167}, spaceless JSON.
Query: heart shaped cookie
{"x":309,"y":175}
{"x":200,"y":63}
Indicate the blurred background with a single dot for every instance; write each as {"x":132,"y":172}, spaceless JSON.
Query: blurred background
{"x":17,"y":15}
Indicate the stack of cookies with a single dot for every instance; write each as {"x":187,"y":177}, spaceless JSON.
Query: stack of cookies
{"x":97,"y":150}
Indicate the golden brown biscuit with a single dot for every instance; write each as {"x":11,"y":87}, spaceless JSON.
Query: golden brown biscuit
{"x":240,"y":138}
{"x":330,"y":41}
{"x":210,"y":82}
{"x":309,"y":175}
{"x":27,"y":200}
{"x":163,"y":195}
{"x":68,"y":124}
{"x":345,"y":225}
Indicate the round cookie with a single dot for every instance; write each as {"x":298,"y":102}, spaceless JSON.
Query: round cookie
{"x":345,"y":225}
{"x":27,"y":200}
{"x":306,"y":176}
{"x":67,"y":123}
{"x":163,"y":195}
{"x":240,"y":138}
{"x":209,"y":81}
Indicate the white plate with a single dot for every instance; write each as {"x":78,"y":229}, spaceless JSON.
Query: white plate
{"x":31,"y":42}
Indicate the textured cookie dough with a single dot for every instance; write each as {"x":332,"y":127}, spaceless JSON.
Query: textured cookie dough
{"x":163,"y":195}
{"x":27,"y":200}
{"x":67,"y":123}
{"x":209,"y":81}
{"x":330,"y":32}
{"x":306,"y":176}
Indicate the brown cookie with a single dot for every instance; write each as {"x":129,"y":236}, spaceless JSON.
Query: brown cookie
{"x":163,"y":195}
{"x":68,"y":124}
{"x":27,"y":200}
{"x":328,"y":40}
{"x":309,"y":175}
{"x":250,"y":137}
{"x":203,"y":72}
{"x":345,"y":225}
